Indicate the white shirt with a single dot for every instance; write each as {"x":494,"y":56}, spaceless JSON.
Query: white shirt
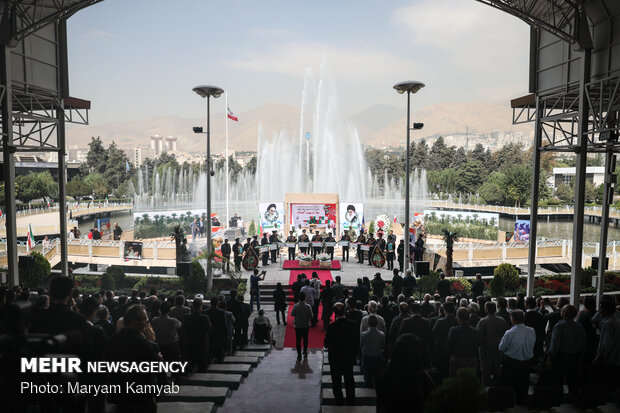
{"x":518,"y":342}
{"x":380,"y":323}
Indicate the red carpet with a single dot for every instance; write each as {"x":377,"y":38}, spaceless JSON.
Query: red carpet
{"x":316,"y":333}
{"x":294,"y":265}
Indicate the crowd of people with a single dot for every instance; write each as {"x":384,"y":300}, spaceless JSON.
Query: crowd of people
{"x":139,"y":327}
{"x":405,"y":348}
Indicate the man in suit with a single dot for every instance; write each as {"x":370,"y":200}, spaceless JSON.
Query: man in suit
{"x":265,"y":242}
{"x":273,"y":240}
{"x":237,"y":250}
{"x":316,"y":250}
{"x":345,"y":248}
{"x":361,"y":240}
{"x":330,"y":250}
{"x":291,"y":250}
{"x":304,"y":238}
{"x":534,"y":319}
{"x":226,"y":250}
{"x":421,"y":328}
{"x":342,"y":342}
{"x":217,"y":336}
{"x":196,"y":329}
{"x":440,"y":338}
{"x":371,"y":242}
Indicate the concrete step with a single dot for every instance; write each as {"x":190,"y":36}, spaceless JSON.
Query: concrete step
{"x":181,"y":407}
{"x":327,"y":369}
{"x":252,"y":361}
{"x":232,"y":381}
{"x":199,"y":394}
{"x":363,"y":397}
{"x":259,"y":354}
{"x":348,"y":409}
{"x":326,"y":381}
{"x":243,"y":369}
{"x":257,"y":347}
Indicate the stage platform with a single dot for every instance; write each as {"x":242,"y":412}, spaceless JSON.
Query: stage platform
{"x":314,"y":265}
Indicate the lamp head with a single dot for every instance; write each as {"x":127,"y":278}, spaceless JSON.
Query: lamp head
{"x":408,"y":86}
{"x":208,"y":90}
{"x":197,"y":129}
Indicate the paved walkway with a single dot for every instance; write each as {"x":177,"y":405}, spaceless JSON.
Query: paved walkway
{"x":280,"y":384}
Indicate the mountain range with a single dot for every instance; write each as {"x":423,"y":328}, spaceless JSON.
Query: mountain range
{"x":378,"y":126}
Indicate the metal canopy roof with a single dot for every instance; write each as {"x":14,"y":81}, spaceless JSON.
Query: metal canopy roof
{"x":19,"y":18}
{"x":560,"y":17}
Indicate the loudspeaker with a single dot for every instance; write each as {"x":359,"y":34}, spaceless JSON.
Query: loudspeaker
{"x":595,"y":263}
{"x":25,"y":264}
{"x":184,"y":269}
{"x":421,"y":268}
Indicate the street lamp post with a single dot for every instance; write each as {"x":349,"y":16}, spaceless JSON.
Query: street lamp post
{"x":410,"y":86}
{"x":208,"y":91}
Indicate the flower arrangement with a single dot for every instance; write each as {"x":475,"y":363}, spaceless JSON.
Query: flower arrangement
{"x":324,"y":257}
{"x":305,"y":257}
{"x":461,"y":285}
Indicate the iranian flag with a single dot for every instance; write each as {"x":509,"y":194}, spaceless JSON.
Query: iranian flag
{"x":395,"y":218}
{"x":0,"y":213}
{"x":48,"y":203}
{"x":30,"y":239}
{"x":232,"y":115}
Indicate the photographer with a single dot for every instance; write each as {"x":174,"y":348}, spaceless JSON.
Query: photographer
{"x":254,"y":290}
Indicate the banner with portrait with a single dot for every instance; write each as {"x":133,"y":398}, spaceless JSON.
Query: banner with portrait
{"x":314,"y":215}
{"x":271,"y":216}
{"x":132,"y":250}
{"x":351,"y":216}
{"x":522,"y":230}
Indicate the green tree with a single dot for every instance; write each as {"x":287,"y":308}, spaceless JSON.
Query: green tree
{"x":440,"y":156}
{"x":492,"y":190}
{"x":518,"y":183}
{"x":591,"y":192}
{"x":96,"y":158}
{"x":98,"y":183}
{"x":76,"y":188}
{"x":565,"y":193}
{"x":116,"y":171}
{"x":250,"y":167}
{"x":252,"y":229}
{"x":479,"y":154}
{"x":40,"y":272}
{"x":449,"y":238}
{"x":509,"y":274}
{"x":36,"y":185}
{"x":420,"y":155}
{"x":460,"y":158}
{"x":470,"y":177}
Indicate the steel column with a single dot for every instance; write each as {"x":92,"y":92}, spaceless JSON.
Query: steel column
{"x":62,"y":198}
{"x":610,"y":162}
{"x":581,"y":150}
{"x":407,"y":167}
{"x":208,"y":218}
{"x":6,"y":107}
{"x":531,"y":263}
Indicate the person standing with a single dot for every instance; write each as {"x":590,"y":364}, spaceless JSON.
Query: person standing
{"x":607,"y":360}
{"x":566,"y":349}
{"x":390,"y":248}
{"x":195,"y":229}
{"x":400,"y":250}
{"x":255,"y":278}
{"x":418,"y":249}
{"x":397,"y":283}
{"x":305,"y":239}
{"x":225,"y":250}
{"x":316,"y":250}
{"x":517,"y":345}
{"x":346,"y":238}
{"x":492,"y":329}
{"x":230,"y":327}
{"x":477,"y":287}
{"x":279,"y":303}
{"x":167,"y":333}
{"x":264,"y":242}
{"x":361,"y":240}
{"x":291,"y":250}
{"x":371,"y":241}
{"x":302,"y":313}
{"x":196,"y":328}
{"x":330,"y":250}
{"x":217,"y":337}
{"x":327,"y":299}
{"x":342,"y":343}
{"x":310,"y":293}
{"x":338,"y":288}
{"x":378,"y":285}
{"x":273,"y":241}
{"x":372,"y":343}
{"x":463,"y":343}
{"x":315,"y":283}
{"x":443,"y":287}
{"x":441,"y":329}
{"x":117,"y":232}
{"x":237,"y":250}
{"x":96,"y":234}
{"x":408,"y":284}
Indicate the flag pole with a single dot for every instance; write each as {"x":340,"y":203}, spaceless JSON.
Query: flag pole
{"x":227,"y":169}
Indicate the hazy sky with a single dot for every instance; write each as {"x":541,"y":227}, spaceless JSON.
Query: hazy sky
{"x":141,"y":58}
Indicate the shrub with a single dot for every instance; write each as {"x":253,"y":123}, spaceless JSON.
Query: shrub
{"x":464,"y":391}
{"x":461,"y":285}
{"x":428,"y":283}
{"x":40,"y":272}
{"x":107,"y":281}
{"x":118,"y":275}
{"x":510,"y":275}
{"x":497,"y":286}
{"x":586,"y":276}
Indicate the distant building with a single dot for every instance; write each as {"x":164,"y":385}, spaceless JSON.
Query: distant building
{"x":77,"y":154}
{"x":243,"y":157}
{"x":171,"y":144}
{"x":594,"y":174}
{"x":137,"y":157}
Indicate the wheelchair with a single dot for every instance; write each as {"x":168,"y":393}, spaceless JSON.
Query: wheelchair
{"x":261,"y":334}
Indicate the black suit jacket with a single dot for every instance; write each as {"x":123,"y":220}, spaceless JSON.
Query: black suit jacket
{"x":342,"y":340}
{"x":196,"y":328}
{"x":217,"y":317}
{"x":537,"y":321}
